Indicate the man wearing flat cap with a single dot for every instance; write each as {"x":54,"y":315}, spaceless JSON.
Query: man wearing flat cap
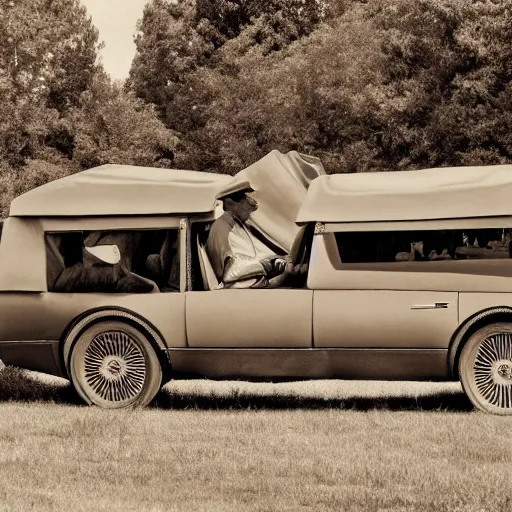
{"x":238,"y":258}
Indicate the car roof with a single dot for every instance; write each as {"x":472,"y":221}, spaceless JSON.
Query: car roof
{"x":442,"y":193}
{"x":123,"y":190}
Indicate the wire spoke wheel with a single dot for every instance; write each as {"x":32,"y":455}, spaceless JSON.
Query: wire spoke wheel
{"x":486,"y":368}
{"x":113,"y":365}
{"x":493,"y":370}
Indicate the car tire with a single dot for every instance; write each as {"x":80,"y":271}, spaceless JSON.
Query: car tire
{"x":485,"y":368}
{"x":113,"y":365}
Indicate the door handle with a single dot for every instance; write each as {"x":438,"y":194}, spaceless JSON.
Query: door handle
{"x":436,"y":305}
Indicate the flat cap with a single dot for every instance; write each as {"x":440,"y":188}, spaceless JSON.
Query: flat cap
{"x":234,"y":188}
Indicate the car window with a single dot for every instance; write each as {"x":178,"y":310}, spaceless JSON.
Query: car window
{"x":442,"y":245}
{"x":120,"y":261}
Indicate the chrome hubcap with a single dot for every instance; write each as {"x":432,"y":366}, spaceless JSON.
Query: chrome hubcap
{"x":115,"y":367}
{"x":504,"y":371}
{"x":493,"y":370}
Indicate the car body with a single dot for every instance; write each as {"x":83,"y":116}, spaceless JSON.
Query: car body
{"x":358,"y":313}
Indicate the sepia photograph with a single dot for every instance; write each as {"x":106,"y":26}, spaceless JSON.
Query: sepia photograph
{"x":255,"y":255}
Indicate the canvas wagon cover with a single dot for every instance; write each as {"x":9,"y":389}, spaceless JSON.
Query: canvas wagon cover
{"x":429,"y":194}
{"x":122,"y":190}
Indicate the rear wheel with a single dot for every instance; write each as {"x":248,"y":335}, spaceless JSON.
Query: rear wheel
{"x":113,"y":365}
{"x":485,"y":368}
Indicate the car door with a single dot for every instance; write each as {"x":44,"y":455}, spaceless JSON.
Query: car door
{"x":397,"y":305}
{"x":249,"y":318}
{"x":384,"y":318}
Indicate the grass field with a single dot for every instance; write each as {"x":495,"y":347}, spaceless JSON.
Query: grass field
{"x":228,"y":446}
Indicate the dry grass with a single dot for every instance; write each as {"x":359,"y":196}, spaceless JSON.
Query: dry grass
{"x":226,"y":446}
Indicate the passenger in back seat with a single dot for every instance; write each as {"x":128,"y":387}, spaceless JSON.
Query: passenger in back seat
{"x":81,"y":271}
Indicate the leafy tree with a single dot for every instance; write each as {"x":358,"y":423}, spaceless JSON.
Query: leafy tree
{"x":386,"y":85}
{"x":176,"y":38}
{"x":59,"y":111}
{"x":168,"y":48}
{"x":48,"y":50}
{"x":113,"y":126}
{"x":472,"y":124}
{"x":278,"y":21}
{"x":47,"y":59}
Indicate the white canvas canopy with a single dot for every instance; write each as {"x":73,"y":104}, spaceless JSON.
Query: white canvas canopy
{"x":430,"y":194}
{"x":122,"y":190}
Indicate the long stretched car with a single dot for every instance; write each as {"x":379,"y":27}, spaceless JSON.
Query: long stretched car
{"x":409,"y":278}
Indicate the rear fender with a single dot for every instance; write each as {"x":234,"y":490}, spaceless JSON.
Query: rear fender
{"x":471,"y":325}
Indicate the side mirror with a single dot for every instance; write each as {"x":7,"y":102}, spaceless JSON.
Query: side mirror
{"x":107,"y":253}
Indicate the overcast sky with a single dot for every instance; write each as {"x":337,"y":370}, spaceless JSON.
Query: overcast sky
{"x":115,"y":20}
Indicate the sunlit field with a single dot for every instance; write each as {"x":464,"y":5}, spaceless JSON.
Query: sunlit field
{"x":230,"y":446}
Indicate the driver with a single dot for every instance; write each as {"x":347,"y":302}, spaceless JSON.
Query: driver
{"x":239,"y":259}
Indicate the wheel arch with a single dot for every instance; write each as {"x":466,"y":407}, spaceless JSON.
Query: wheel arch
{"x":470,"y":326}
{"x":93,"y":316}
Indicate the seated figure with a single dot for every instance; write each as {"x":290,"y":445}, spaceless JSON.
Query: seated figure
{"x":414,"y":254}
{"x":239,"y":259}
{"x":86,"y":270}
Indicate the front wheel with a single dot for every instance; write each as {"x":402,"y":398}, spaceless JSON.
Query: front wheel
{"x":485,"y":368}
{"x":113,"y":365}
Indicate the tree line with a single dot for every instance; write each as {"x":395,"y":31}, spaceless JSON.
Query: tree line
{"x":216,"y":84}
